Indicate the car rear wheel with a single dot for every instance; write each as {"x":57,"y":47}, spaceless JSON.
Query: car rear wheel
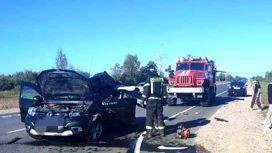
{"x":95,"y":131}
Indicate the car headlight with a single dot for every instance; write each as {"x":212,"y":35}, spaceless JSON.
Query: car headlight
{"x":74,"y":114}
{"x":31,"y":111}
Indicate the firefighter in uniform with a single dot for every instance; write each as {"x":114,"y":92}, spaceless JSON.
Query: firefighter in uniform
{"x":154,"y":93}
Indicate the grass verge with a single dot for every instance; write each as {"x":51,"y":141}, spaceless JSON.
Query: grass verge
{"x":264,"y":85}
{"x":9,"y":99}
{"x":9,"y":94}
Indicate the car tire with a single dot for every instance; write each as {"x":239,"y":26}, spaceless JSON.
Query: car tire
{"x":171,"y":101}
{"x":95,"y":130}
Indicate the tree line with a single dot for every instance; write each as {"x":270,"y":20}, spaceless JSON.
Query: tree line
{"x":9,"y":82}
{"x":267,"y":77}
{"x":130,"y":72}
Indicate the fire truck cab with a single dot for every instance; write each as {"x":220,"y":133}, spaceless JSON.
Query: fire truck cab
{"x":192,"y":80}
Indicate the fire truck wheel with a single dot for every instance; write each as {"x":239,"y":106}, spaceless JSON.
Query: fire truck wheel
{"x":207,"y":98}
{"x":213,"y":94}
{"x":171,"y":101}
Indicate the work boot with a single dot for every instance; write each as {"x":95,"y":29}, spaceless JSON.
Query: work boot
{"x":148,"y":134}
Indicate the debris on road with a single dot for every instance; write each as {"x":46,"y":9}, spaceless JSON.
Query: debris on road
{"x":14,"y":140}
{"x":220,"y":119}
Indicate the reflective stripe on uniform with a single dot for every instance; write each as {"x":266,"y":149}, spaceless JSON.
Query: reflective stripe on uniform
{"x":148,"y":127}
{"x":152,"y":80}
{"x":164,"y":96}
{"x":160,"y":127}
{"x":154,"y":98}
{"x":144,"y":96}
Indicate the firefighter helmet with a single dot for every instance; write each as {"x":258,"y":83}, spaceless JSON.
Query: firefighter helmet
{"x":152,"y":70}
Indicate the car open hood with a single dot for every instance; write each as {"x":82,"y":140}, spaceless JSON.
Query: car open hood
{"x":58,"y":82}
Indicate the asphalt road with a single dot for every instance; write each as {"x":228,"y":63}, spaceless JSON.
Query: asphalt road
{"x":14,"y":139}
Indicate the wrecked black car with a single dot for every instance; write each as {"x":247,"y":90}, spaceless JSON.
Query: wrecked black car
{"x":65,"y":103}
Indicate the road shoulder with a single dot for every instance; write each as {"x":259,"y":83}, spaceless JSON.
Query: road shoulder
{"x":9,"y":111}
{"x":235,"y":128}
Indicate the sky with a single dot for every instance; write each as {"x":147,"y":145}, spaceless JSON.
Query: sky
{"x":97,"y":34}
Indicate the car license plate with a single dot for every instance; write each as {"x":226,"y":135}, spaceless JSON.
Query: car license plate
{"x":51,"y":121}
{"x":236,"y":87}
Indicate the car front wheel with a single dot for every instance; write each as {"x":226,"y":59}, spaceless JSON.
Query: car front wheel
{"x":95,"y":131}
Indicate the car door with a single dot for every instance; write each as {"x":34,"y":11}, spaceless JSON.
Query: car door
{"x":27,"y":92}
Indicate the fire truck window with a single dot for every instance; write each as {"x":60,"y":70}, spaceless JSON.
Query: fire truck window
{"x":209,"y":68}
{"x":197,"y":66}
{"x":182,"y":66}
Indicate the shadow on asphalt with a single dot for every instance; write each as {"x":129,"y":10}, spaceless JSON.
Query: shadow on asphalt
{"x":225,"y":100}
{"x":218,"y":101}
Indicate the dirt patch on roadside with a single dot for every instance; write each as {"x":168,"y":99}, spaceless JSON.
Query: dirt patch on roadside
{"x":9,"y":103}
{"x":235,"y":128}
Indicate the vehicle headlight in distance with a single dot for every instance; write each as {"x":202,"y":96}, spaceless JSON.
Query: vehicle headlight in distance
{"x":74,"y":114}
{"x":31,"y":111}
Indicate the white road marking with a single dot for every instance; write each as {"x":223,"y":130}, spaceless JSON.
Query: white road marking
{"x":15,"y":131}
{"x":173,"y":116}
{"x":140,"y":139}
{"x":8,"y":116}
{"x":221,"y":93}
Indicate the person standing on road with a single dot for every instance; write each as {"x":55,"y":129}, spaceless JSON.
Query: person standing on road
{"x":154,"y":93}
{"x":256,"y":96}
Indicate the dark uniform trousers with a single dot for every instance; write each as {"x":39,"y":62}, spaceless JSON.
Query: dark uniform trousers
{"x":154,"y":113}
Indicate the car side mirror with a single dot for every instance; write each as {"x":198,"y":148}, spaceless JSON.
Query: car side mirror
{"x":38,"y":99}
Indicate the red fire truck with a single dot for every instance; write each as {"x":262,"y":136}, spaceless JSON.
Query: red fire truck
{"x":193,"y":80}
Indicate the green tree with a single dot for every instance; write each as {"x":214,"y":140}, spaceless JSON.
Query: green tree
{"x":27,"y":75}
{"x":221,"y":77}
{"x":229,"y":77}
{"x":268,"y":75}
{"x":86,"y":74}
{"x":130,"y":68}
{"x":6,"y":83}
{"x":258,"y":77}
{"x":61,"y":60}
{"x":117,"y":72}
